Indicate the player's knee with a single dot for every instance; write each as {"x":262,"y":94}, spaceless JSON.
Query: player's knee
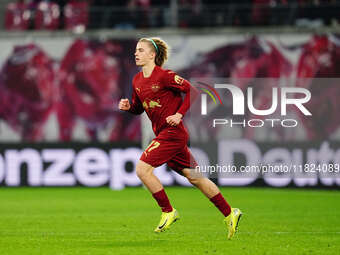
{"x":143,"y":170}
{"x":193,"y":181}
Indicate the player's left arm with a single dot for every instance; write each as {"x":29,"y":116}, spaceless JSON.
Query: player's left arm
{"x":177,"y":83}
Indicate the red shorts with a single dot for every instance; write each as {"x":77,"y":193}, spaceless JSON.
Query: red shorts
{"x":169,"y":147}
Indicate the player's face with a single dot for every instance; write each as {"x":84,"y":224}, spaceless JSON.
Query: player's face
{"x":144,"y":54}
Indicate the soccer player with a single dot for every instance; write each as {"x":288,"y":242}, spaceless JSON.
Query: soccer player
{"x":158,"y":92}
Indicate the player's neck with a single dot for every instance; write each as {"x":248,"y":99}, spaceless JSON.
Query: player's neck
{"x":147,"y":69}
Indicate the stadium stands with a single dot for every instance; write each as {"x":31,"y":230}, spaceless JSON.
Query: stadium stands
{"x":47,"y":16}
{"x":95,"y":14}
{"x":76,"y":15}
{"x":17,"y":16}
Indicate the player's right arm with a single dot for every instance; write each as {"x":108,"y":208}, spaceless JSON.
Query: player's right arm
{"x":124,"y":104}
{"x":136,"y":107}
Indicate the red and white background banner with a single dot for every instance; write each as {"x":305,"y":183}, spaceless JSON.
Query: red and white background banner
{"x":59,"y":126}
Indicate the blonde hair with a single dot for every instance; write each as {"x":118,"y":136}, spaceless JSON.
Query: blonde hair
{"x":160,"y":47}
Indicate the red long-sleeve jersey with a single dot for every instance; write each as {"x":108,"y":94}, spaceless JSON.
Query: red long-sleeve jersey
{"x":159,"y":96}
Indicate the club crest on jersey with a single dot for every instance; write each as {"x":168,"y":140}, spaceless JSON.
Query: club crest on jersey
{"x":155,"y":87}
{"x":178,"y":79}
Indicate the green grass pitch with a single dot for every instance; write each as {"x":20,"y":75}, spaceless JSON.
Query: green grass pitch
{"x":101,"y":221}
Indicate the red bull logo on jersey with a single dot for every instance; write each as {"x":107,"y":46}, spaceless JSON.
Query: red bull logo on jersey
{"x":151,"y":104}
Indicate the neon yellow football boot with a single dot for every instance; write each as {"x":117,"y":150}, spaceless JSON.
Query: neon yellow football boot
{"x":167,"y":218}
{"x":232,"y":221}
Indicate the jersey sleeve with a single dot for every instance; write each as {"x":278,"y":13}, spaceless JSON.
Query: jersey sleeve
{"x":177,"y":83}
{"x":136,"y":104}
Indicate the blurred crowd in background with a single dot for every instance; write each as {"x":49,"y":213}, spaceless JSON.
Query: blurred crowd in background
{"x":73,"y":97}
{"x":72,"y":92}
{"x":79,"y":15}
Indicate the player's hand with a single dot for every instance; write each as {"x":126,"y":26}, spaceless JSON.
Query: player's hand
{"x":124,"y":104}
{"x":174,"y":120}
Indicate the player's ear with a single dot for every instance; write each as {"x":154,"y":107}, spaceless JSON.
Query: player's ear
{"x":152,"y":54}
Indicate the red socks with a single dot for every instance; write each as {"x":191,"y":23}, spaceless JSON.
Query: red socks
{"x":221,"y":204}
{"x":218,"y":201}
{"x":162,"y":200}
